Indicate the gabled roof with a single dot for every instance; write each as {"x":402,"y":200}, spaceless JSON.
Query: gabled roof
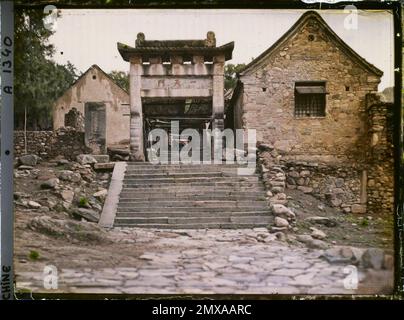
{"x":312,"y":15}
{"x":94,"y":66}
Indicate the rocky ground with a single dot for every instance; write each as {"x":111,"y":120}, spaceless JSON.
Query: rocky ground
{"x":312,"y":248}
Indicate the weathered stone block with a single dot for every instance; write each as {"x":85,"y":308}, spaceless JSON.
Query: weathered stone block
{"x":358,"y":208}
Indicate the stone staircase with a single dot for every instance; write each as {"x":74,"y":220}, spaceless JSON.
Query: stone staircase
{"x":184,"y":196}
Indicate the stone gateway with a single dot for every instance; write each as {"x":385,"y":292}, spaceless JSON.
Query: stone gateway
{"x":174,"y":80}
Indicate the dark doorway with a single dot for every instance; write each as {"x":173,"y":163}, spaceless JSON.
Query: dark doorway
{"x":95,"y":126}
{"x":191,"y":113}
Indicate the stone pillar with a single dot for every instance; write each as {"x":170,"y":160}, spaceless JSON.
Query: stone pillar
{"x":136,"y":114}
{"x":380,"y":173}
{"x":218,"y":99}
{"x":177,"y":68}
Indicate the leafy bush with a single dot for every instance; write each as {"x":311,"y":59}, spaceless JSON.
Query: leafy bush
{"x":83,"y":202}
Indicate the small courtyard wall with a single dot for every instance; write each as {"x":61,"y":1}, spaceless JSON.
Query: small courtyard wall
{"x":49,"y":144}
{"x":380,"y":186}
{"x":363,"y":185}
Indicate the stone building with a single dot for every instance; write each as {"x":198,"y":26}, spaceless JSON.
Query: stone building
{"x":307,"y":97}
{"x":306,"y":93}
{"x":96,"y":105}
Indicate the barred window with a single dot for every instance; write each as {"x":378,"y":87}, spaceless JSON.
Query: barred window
{"x":310,"y":99}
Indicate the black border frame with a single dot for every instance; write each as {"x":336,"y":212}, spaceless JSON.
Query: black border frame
{"x":397,"y":11}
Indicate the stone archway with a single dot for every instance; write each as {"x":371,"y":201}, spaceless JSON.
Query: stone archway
{"x":174,"y":69}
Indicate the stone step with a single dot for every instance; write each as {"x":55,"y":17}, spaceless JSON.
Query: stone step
{"x":188,"y":168}
{"x":196,"y":225}
{"x":233,"y":185}
{"x":200,"y":171}
{"x":181,"y":197}
{"x":169,"y":189}
{"x":122,"y":208}
{"x":191,"y":175}
{"x":189,"y":192}
{"x":162,"y":213}
{"x":176,"y":174}
{"x":188,"y":171}
{"x":189,"y":196}
{"x":187,"y":189}
{"x":149,"y":164}
{"x":191,"y":220}
{"x":211,"y":167}
{"x":196,"y":190}
{"x":187,"y":178}
{"x":191,"y":203}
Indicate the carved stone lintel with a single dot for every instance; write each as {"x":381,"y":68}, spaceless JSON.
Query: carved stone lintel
{"x":136,"y":60}
{"x":176,"y":59}
{"x":198,"y":59}
{"x":155,"y":60}
{"x":219,"y":59}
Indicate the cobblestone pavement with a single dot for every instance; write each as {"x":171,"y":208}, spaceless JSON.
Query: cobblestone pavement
{"x":205,"y":262}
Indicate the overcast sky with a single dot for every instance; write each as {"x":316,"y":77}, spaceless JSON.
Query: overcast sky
{"x":87,"y":37}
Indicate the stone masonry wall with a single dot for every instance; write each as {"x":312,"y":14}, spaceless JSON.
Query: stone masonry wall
{"x":338,"y":185}
{"x":49,"y":144}
{"x":380,"y":187}
{"x":361,"y":186}
{"x":268,"y":99}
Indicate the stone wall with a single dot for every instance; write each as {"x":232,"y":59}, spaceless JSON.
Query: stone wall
{"x":74,"y":119}
{"x":380,"y":187}
{"x":337,"y":185}
{"x":362,"y":185}
{"x":49,"y":144}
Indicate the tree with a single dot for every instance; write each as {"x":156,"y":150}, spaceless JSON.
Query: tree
{"x":230,"y":74}
{"x":39,"y":81}
{"x":121,"y":79}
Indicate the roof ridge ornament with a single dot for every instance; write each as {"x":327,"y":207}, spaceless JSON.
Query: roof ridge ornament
{"x":140,"y":39}
{"x":210,"y":40}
